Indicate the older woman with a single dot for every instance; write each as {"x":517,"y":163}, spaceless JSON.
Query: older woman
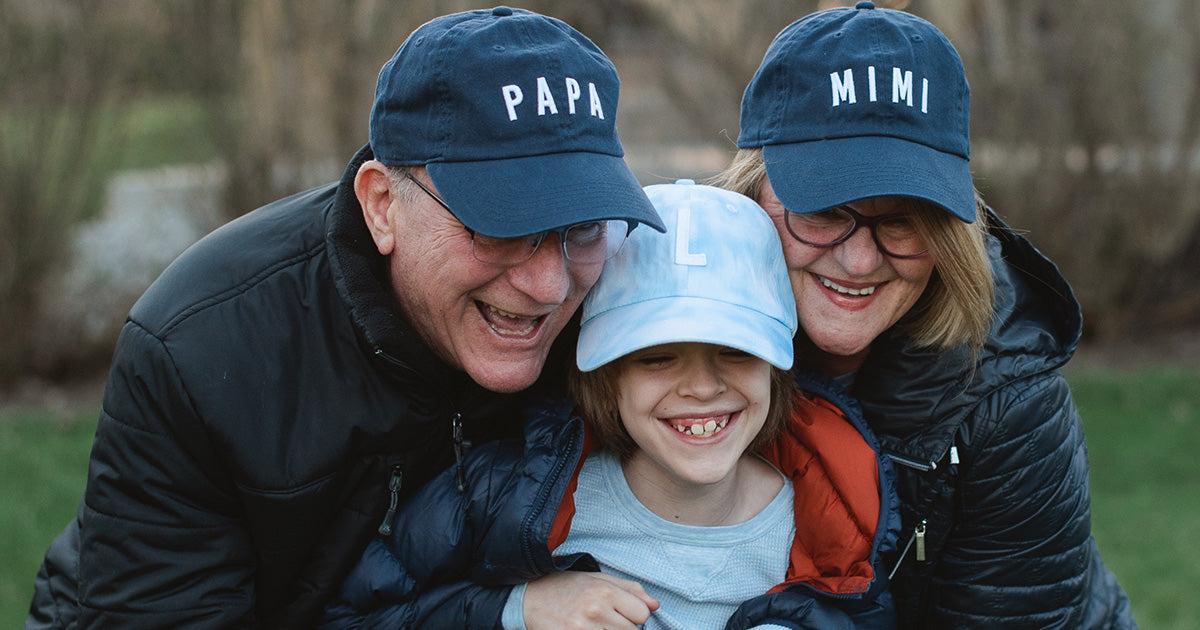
{"x":948,"y":327}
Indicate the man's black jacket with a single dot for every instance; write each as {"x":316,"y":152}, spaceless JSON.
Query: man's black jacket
{"x":263,"y":394}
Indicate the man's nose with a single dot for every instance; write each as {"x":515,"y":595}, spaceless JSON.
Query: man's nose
{"x":545,"y":277}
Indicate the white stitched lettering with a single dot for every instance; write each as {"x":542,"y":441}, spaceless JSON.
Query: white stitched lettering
{"x":842,"y":86}
{"x":597,"y":108}
{"x":545,"y":98}
{"x":547,"y":103}
{"x":843,"y":89}
{"x":902,"y":86}
{"x":683,"y":229}
{"x":573,"y":93}
{"x":512,"y":98}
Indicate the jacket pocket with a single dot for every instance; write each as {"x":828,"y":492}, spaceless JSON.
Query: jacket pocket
{"x":310,"y":536}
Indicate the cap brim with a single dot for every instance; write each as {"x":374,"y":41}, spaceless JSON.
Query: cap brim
{"x":625,"y":329}
{"x":813,"y":176}
{"x":526,"y":195}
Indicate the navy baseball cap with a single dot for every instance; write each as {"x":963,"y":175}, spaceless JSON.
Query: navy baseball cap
{"x":513,"y":114}
{"x":862,"y":102}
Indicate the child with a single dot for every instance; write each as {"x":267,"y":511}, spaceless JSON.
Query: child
{"x":689,"y":463}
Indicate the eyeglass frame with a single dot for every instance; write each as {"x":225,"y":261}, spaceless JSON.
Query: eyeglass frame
{"x":858,"y":221}
{"x":539,"y":238}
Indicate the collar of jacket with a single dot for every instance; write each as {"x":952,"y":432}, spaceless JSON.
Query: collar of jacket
{"x":360,"y":273}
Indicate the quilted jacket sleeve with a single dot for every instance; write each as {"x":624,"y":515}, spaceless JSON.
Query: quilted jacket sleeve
{"x":419,"y":575}
{"x":796,"y":609}
{"x":1021,"y":554}
{"x":379,"y":593}
{"x":163,"y":545}
{"x":53,"y":606}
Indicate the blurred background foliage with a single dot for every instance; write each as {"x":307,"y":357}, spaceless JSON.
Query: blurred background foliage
{"x":1085,"y":123}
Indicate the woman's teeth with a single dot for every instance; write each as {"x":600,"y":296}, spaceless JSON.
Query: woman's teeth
{"x":830,"y":284}
{"x":703,"y":429}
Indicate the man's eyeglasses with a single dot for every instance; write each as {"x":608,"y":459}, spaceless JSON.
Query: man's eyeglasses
{"x":894,"y":232}
{"x":589,"y":243}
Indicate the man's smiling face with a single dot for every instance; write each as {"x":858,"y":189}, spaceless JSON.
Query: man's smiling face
{"x":496,"y":323}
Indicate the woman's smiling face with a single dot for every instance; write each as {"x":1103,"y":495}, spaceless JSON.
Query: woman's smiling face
{"x":847,"y":295}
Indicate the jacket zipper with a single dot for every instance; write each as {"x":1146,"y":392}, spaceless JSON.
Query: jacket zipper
{"x":912,"y":463}
{"x":539,"y":504}
{"x":397,"y":479}
{"x":394,"y":484}
{"x":924,"y":466}
{"x":918,"y":538}
{"x":460,"y":449}
{"x":918,"y":533}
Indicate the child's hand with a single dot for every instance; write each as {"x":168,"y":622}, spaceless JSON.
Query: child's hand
{"x":574,"y":600}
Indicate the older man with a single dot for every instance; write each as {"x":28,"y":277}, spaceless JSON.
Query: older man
{"x":306,"y":367}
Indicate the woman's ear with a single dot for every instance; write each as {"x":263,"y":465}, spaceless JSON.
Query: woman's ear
{"x":372,"y":186}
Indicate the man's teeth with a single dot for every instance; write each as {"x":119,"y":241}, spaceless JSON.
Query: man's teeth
{"x":703,"y":429}
{"x":829,"y":284}
{"x":518,"y":330}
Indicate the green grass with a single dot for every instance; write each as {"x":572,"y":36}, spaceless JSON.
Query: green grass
{"x":1143,"y":431}
{"x":43,"y":469}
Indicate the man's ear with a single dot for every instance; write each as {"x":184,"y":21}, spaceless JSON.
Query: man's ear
{"x":372,"y":186}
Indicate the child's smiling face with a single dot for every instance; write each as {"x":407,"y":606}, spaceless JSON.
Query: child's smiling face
{"x":692,"y":409}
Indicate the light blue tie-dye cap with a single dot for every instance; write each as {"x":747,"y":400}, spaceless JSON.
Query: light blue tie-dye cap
{"x":716,"y":276}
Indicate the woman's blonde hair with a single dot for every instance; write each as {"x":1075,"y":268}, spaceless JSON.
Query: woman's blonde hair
{"x":956,"y":307}
{"x":595,"y":393}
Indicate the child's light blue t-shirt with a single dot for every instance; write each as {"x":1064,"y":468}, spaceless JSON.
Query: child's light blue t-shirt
{"x":699,"y":575}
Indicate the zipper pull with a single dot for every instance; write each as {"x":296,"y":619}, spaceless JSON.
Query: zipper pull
{"x":460,"y":471}
{"x":385,"y":528}
{"x":917,"y":539}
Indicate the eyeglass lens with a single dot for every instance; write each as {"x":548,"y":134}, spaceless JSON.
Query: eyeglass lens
{"x":591,"y":242}
{"x":894,"y":233}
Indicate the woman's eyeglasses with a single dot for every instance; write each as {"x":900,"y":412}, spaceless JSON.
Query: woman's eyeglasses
{"x":894,"y":232}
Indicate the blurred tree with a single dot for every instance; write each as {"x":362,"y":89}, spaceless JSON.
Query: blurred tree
{"x":1082,"y":137}
{"x":305,"y":80}
{"x":206,"y":39}
{"x":62,"y":69}
{"x":304,"y":86}
{"x":1169,"y":295}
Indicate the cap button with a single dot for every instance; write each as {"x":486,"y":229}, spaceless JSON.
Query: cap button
{"x":685,"y":182}
{"x":501,"y":11}
{"x":865,"y":5}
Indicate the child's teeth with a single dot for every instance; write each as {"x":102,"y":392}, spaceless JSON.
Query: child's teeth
{"x":703,"y":429}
